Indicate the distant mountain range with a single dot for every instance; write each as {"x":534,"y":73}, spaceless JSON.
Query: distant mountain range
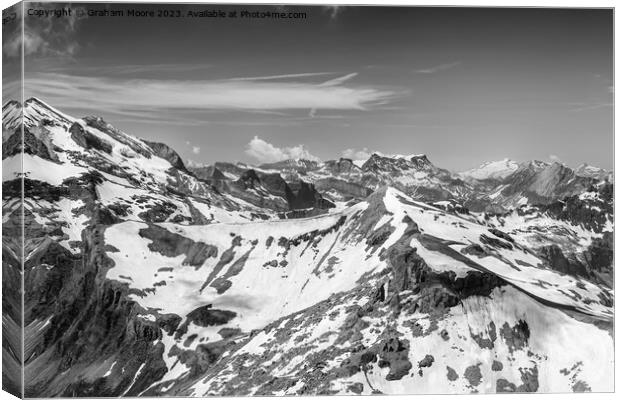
{"x":148,"y":277}
{"x":500,"y":185}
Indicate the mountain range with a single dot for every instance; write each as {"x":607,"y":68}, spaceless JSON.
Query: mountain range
{"x":145,"y":276}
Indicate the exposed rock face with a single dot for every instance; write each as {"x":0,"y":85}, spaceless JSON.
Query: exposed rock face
{"x":269,"y":190}
{"x":541,"y":183}
{"x":167,"y":153}
{"x":600,"y":253}
{"x":88,"y":140}
{"x":591,"y":209}
{"x":86,"y":311}
{"x":529,"y":379}
{"x":173,"y":245}
{"x":435,"y":290}
{"x":343,"y":165}
{"x":33,"y":145}
{"x":553,"y":254}
{"x":378,"y":163}
{"x":394,"y":354}
{"x":304,"y":195}
{"x":133,"y":143}
{"x":210,"y":173}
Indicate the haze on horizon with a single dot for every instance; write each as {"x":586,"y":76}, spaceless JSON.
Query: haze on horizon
{"x":462,"y":85}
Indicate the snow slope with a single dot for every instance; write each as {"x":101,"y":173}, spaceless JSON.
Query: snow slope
{"x":492,"y":170}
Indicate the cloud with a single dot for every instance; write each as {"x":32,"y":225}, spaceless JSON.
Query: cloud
{"x":437,"y":68}
{"x":554,"y":158}
{"x":354,"y":154}
{"x":340,"y":80}
{"x":595,"y":106}
{"x":266,"y":152}
{"x":196,"y":149}
{"x":154,"y":96}
{"x":48,"y":35}
{"x":284,"y":76}
{"x":132,"y":69}
{"x":334,"y":11}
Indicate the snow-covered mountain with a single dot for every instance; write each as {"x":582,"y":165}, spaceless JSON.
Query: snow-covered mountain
{"x":147,"y":277}
{"x":492,"y":187}
{"x":590,"y":171}
{"x":492,"y":170}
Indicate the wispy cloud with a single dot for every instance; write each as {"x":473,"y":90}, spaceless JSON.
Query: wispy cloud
{"x":284,"y":76}
{"x":196,"y":149}
{"x":592,"y":107}
{"x":151,"y":96}
{"x":128,"y":69}
{"x":438,"y":68}
{"x":339,"y":80}
{"x":265,"y":152}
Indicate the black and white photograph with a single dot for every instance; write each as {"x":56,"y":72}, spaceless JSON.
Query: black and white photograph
{"x":209,"y":199}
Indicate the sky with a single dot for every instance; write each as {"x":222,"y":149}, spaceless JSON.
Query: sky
{"x":462,"y":85}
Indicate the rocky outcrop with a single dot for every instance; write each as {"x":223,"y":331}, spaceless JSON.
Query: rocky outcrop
{"x":167,"y":153}
{"x":542,"y":183}
{"x":593,"y":211}
{"x":172,"y":245}
{"x":600,"y":256}
{"x":556,"y":259}
{"x":208,"y":316}
{"x":301,"y":195}
{"x":600,"y":253}
{"x":131,"y":142}
{"x":89,"y":320}
{"x":394,"y":353}
{"x":270,"y":190}
{"x":341,"y":166}
{"x":437,"y":290}
{"x":31,"y":144}
{"x":88,"y":140}
{"x":208,"y":173}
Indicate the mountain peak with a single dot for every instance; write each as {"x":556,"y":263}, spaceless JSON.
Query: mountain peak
{"x":291,"y":163}
{"x":31,"y":113}
{"x":29,"y":101}
{"x":590,"y":171}
{"x":11,"y":104}
{"x":492,"y":170}
{"x":392,"y":163}
{"x":36,"y":100}
{"x":421,"y":161}
{"x":536,"y":164}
